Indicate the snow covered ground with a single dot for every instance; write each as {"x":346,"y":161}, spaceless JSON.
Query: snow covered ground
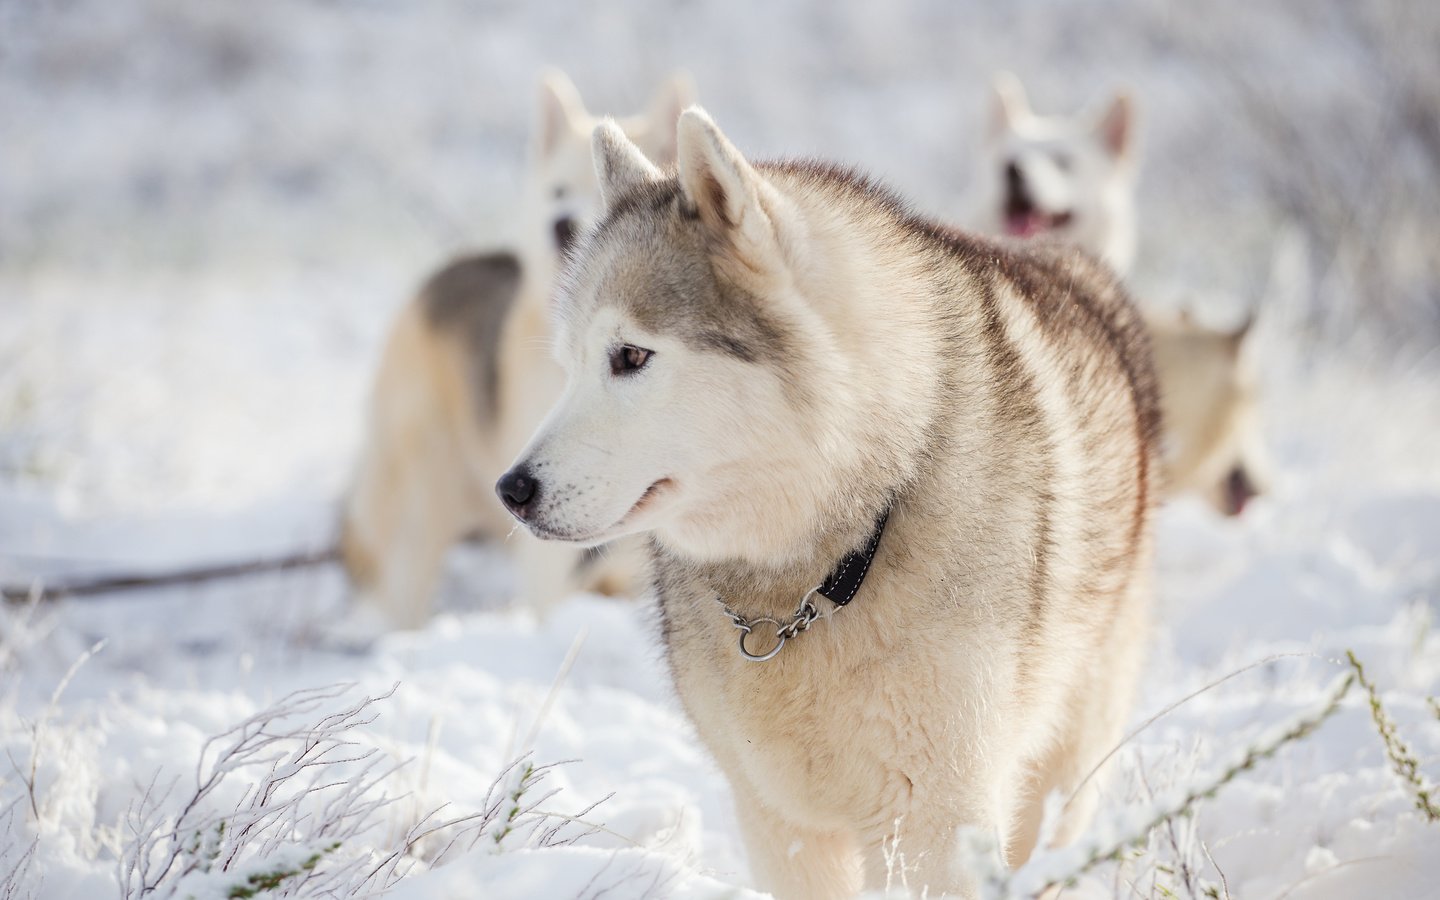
{"x":206,"y":218}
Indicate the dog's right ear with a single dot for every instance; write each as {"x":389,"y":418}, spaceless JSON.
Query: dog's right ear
{"x":1009,"y":104}
{"x":1115,"y":126}
{"x":560,"y":110}
{"x":620,"y":167}
{"x":1242,"y":336}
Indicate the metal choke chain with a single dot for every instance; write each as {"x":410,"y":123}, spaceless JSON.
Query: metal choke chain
{"x":805,"y":615}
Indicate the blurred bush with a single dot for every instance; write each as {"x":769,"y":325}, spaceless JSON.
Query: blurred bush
{"x":172,"y":134}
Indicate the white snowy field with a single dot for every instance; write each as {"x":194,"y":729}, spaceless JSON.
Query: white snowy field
{"x":207,"y":217}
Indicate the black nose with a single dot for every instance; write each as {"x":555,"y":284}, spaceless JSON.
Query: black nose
{"x":564,"y":233}
{"x":1013,"y":178}
{"x":518,"y":489}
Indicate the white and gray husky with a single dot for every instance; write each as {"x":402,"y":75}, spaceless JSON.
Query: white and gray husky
{"x":898,"y":483}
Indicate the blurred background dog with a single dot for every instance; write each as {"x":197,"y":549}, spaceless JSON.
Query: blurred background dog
{"x":466,"y":375}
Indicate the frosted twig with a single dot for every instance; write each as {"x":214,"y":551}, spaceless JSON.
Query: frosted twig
{"x":1402,"y":759}
{"x":316,"y":791}
{"x":37,"y":730}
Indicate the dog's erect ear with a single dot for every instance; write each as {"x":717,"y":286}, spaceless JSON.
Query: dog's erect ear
{"x":1009,"y":104}
{"x":1115,"y":126}
{"x":726,"y":192}
{"x":673,"y":96}
{"x":1241,"y":331}
{"x":1242,"y":337}
{"x":560,"y":110}
{"x":620,"y":167}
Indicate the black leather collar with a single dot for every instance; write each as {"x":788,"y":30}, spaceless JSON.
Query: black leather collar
{"x":844,"y":581}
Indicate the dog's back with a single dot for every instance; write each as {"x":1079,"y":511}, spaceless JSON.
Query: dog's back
{"x":1073,"y":478}
{"x":438,"y":376}
{"x":468,"y":301}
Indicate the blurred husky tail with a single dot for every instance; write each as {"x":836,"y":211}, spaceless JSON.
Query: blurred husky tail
{"x":1209,"y":391}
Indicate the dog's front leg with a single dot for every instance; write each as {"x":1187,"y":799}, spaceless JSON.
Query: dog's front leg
{"x":922,"y":849}
{"x":793,"y":862}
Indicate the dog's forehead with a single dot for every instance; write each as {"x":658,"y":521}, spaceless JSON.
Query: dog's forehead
{"x":650,"y":260}
{"x":636,"y":261}
{"x":1051,"y":133}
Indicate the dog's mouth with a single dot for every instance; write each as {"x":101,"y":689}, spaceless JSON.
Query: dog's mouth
{"x":653,"y":494}
{"x":1025,"y":219}
{"x":646,"y":501}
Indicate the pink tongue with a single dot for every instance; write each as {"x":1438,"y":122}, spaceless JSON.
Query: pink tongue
{"x":1025,"y":224}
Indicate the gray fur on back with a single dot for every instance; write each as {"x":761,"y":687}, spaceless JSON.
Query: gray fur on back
{"x":470,"y":299}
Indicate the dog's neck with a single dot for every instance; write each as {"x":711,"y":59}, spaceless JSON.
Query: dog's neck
{"x":765,"y":589}
{"x":1116,"y":236}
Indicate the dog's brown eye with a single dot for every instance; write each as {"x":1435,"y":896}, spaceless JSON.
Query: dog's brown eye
{"x":628,"y":358}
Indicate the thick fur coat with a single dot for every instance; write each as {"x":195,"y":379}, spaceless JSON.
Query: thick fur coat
{"x":762,"y":358}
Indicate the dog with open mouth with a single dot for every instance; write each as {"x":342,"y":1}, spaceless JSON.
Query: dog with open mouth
{"x":1068,"y":177}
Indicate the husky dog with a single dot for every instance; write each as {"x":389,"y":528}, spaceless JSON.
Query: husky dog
{"x":776,"y":367}
{"x":463,"y":381}
{"x":1071,"y":177}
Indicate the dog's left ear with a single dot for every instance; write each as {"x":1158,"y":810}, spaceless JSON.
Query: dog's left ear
{"x":1242,"y":336}
{"x":559,"y":111}
{"x":730,"y":197}
{"x":620,"y":167}
{"x":663,"y":114}
{"x":1115,"y":126}
{"x":1008,"y":105}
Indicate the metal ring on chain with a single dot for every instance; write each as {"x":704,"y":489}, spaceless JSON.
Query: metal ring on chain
{"x":748,"y":628}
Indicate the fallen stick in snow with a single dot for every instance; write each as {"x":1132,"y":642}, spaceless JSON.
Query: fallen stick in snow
{"x":92,"y":585}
